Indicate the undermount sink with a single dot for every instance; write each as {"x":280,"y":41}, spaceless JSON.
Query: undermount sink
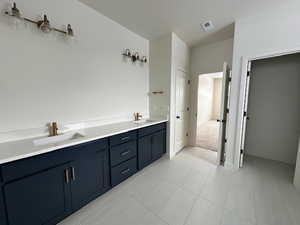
{"x":57,"y":139}
{"x":143,"y":121}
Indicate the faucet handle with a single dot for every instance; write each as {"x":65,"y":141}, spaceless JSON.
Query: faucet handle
{"x":137,"y":116}
{"x":54,"y":128}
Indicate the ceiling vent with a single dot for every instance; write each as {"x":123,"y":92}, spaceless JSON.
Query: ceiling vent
{"x":207,"y":26}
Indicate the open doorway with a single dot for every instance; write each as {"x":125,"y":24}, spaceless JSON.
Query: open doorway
{"x":212,"y":113}
{"x":208,"y":112}
{"x":271,"y":110}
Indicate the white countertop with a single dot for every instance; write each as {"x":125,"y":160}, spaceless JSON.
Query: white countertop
{"x":15,"y":150}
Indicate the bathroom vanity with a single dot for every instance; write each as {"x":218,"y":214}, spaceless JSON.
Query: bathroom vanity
{"x":45,"y":185}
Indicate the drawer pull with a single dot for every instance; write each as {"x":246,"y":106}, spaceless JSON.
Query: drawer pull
{"x":125,"y":138}
{"x":125,"y":153}
{"x":125,"y":171}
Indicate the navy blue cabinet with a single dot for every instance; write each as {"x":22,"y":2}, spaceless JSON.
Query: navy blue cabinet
{"x":46,"y":194}
{"x":42,"y":198}
{"x":2,"y":209}
{"x":44,"y":189}
{"x":158,"y":144}
{"x":89,"y":174}
{"x":151,"y":144}
{"x":145,"y":148}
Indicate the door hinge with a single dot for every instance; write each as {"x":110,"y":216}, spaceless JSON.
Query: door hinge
{"x":248,"y":73}
{"x":187,"y":134}
{"x":242,"y":151}
{"x":227,"y":110}
{"x":189,"y":81}
{"x":225,"y":140}
{"x":229,"y":79}
{"x":245,"y":113}
{"x":188,"y":109}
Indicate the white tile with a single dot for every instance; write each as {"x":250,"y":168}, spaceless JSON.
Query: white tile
{"x":194,"y":182}
{"x":230,"y":218}
{"x":205,"y":212}
{"x":157,"y":198}
{"x":217,"y":188}
{"x":241,"y":201}
{"x":177,"y":208}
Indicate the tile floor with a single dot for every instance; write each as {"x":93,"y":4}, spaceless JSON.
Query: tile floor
{"x":192,"y":191}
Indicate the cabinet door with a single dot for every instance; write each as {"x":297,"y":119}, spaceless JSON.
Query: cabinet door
{"x":40,"y":199}
{"x":158,"y":145}
{"x":89,"y":176}
{"x":144,"y":151}
{"x":2,"y":212}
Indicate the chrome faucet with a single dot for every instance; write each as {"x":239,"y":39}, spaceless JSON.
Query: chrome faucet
{"x":54,"y":129}
{"x":137,"y":116}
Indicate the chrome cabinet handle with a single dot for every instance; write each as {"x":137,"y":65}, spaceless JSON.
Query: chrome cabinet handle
{"x":125,"y":171}
{"x":67,"y":178}
{"x":73,"y":173}
{"x":125,"y":138}
{"x":125,"y":153}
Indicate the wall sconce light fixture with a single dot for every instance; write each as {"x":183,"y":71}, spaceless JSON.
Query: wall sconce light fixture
{"x":134,"y":57}
{"x":43,"y":25}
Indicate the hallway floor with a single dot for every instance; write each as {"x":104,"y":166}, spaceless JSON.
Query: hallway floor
{"x":208,"y":135}
{"x":190,"y":190}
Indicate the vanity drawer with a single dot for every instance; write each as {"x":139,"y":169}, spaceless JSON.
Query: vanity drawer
{"x":123,"y":152}
{"x":123,"y":171}
{"x":123,"y":138}
{"x":151,"y":129}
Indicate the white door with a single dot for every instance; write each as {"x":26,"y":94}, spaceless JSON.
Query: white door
{"x":182,"y":108}
{"x":224,"y":113}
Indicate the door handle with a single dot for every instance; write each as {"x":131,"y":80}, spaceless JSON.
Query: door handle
{"x":221,"y":121}
{"x":177,"y":117}
{"x":73,"y":173}
{"x":67,"y":178}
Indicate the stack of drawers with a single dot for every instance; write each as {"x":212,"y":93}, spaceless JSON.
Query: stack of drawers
{"x":123,"y":156}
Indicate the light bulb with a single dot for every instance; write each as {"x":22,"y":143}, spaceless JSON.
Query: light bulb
{"x":16,"y":19}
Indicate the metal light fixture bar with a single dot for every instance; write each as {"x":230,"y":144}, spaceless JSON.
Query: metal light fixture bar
{"x":43,"y":25}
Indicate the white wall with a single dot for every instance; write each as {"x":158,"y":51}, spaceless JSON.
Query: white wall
{"x":45,"y":80}
{"x":160,"y":75}
{"x":206,"y":59}
{"x":210,"y":58}
{"x":167,"y":54}
{"x":274,"y":30}
{"x":273,"y":130}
